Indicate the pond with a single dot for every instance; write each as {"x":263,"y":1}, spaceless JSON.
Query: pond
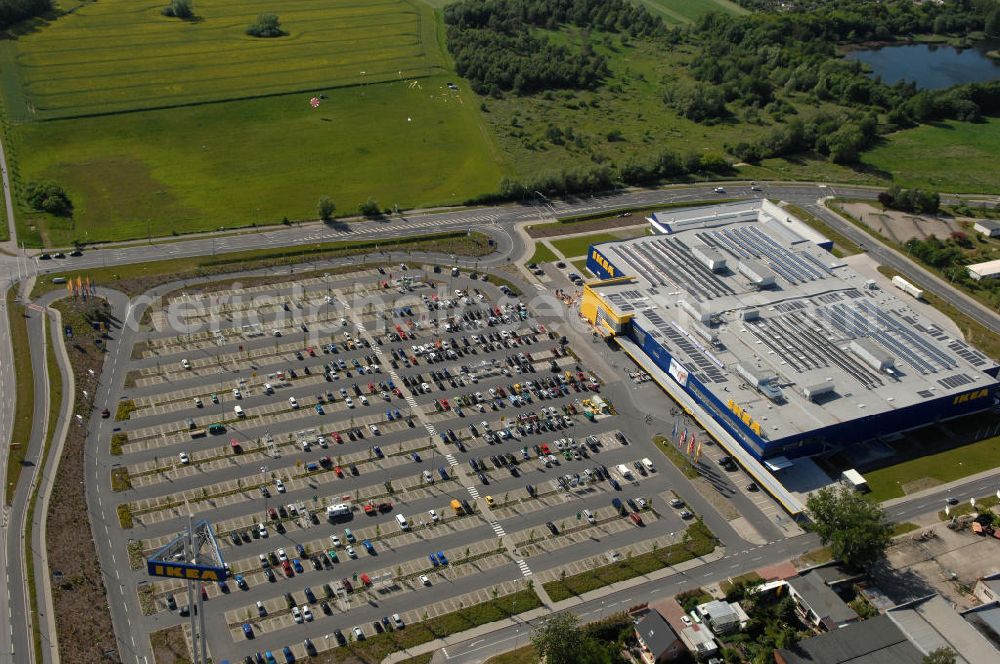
{"x":932,"y":66}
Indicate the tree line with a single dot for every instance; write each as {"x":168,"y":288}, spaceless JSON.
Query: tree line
{"x":14,"y":11}
{"x":496,"y":47}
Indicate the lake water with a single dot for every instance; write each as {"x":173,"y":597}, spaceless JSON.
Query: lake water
{"x":932,"y":66}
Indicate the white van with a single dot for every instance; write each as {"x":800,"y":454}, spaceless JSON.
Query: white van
{"x":648,"y":464}
{"x":403,"y":523}
{"x":624,"y":471}
{"x":239,"y":411}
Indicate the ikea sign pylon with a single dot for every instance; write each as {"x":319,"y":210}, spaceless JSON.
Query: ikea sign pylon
{"x":192,"y":556}
{"x":172,"y":570}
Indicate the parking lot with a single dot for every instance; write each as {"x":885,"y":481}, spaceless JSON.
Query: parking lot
{"x":400,"y":442}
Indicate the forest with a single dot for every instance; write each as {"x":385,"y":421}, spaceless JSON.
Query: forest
{"x":743,"y":68}
{"x":14,"y":11}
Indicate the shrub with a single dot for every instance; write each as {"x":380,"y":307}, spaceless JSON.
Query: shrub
{"x":370,"y":208}
{"x":48,"y":197}
{"x":325,"y":208}
{"x":266,"y":25}
{"x":179,"y":9}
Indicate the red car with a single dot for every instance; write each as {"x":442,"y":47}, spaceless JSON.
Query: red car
{"x":636,"y":519}
{"x":370,"y":509}
{"x":287,"y":566}
{"x":365,"y":579}
{"x":545,"y":449}
{"x":339,"y":471}
{"x":336,"y":437}
{"x":105,"y":413}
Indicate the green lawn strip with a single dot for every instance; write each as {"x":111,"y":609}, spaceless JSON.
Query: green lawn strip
{"x":984,"y":503}
{"x":125,"y":410}
{"x":841,"y":245}
{"x":120,"y":480}
{"x":542,"y":254}
{"x":522,"y":655}
{"x":698,"y":541}
{"x":55,"y":401}
{"x":456,"y":242}
{"x":125,"y":516}
{"x":946,"y":466}
{"x":581,"y":265}
{"x":23,"y":390}
{"x":579,"y":246}
{"x":375,"y":648}
{"x":500,"y":281}
{"x":903,"y":528}
{"x":118,"y":440}
{"x":677,"y":457}
{"x":817,"y":556}
{"x":974,"y":332}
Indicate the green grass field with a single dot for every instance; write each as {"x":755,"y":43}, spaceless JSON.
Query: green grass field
{"x":947,"y":466}
{"x":204,"y":167}
{"x":948,"y":156}
{"x":542,"y":254}
{"x":124,"y":55}
{"x":231,"y":139}
{"x":572,"y":247}
{"x":687,"y":11}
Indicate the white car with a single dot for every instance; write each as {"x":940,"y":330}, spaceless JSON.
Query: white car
{"x":293,"y":403}
{"x":282,"y":556}
{"x":349,"y":402}
{"x":424,"y":387}
{"x":185,"y":364}
{"x":335,"y":540}
{"x":321,"y":441}
{"x":719,"y":190}
{"x":359,"y":634}
{"x":351,"y":552}
{"x":297,"y":614}
{"x":307,"y":613}
{"x":364,"y":400}
{"x":686,"y":620}
{"x":279,"y":485}
{"x":237,"y":394}
{"x":397,"y":621}
{"x":262,"y":530}
{"x":434,"y":515}
{"x":185,"y":458}
{"x":424,"y":580}
{"x":197,"y":402}
{"x":374,"y":429}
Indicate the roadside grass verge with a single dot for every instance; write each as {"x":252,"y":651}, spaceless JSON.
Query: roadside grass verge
{"x":23,"y":390}
{"x":984,"y":503}
{"x":572,"y":247}
{"x":841,"y":245}
{"x":676,"y":457}
{"x":542,"y":254}
{"x":729,"y":584}
{"x":522,"y":655}
{"x":136,"y":278}
{"x":698,"y":541}
{"x":903,"y":527}
{"x":55,"y":401}
{"x":118,"y":441}
{"x":125,"y":410}
{"x":975,"y":333}
{"x":120,"y":480}
{"x":581,"y":265}
{"x":375,"y":648}
{"x":945,"y":466}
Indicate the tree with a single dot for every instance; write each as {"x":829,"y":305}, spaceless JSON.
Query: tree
{"x":325,"y":208}
{"x":266,"y":25}
{"x":855,"y":529}
{"x":48,"y":197}
{"x":182,"y":9}
{"x":942,"y":655}
{"x":369,"y":208}
{"x":560,"y":640}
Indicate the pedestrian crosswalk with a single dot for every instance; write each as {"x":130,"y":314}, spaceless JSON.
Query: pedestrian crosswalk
{"x":452,"y":461}
{"x":430,"y":429}
{"x":525,"y":570}
{"x":472,"y":491}
{"x":497,"y":528}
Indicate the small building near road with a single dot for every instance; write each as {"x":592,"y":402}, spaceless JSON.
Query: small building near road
{"x":874,"y":641}
{"x":988,"y":227}
{"x":987,"y":270}
{"x":700,"y":641}
{"x":931,"y":623}
{"x":723,"y":617}
{"x":657,"y":639}
{"x":987,"y":588}
{"x":817,"y":604}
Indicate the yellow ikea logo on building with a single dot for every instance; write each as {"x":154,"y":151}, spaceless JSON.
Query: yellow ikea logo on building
{"x":181,"y":572}
{"x":744,"y":416}
{"x":969,"y":396}
{"x":596,"y":255}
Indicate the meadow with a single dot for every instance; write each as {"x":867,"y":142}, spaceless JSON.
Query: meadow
{"x":257,"y":161}
{"x":949,"y":156}
{"x":124,"y":55}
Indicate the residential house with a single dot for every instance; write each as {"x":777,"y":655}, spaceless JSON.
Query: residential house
{"x":657,"y":639}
